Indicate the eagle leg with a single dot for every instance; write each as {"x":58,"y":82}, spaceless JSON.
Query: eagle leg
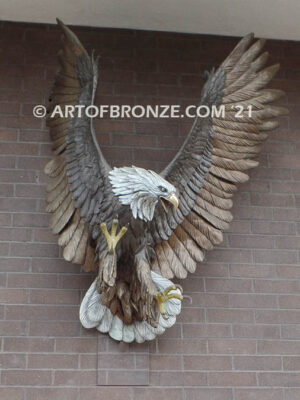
{"x":161,"y":298}
{"x":113,"y":238}
{"x":108,"y":259}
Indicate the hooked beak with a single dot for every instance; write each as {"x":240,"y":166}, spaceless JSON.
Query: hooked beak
{"x":172,"y":198}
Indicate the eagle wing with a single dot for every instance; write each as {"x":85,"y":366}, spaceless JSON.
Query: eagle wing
{"x":215,"y":158}
{"x":78,"y":192}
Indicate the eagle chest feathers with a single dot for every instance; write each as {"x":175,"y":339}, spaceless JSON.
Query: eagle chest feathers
{"x":138,"y":229}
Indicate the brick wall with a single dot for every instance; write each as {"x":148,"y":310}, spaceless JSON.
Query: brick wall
{"x":240,"y":337}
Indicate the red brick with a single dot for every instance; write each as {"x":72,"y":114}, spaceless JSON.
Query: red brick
{"x":289,"y":272}
{"x":29,"y":135}
{"x":33,"y":191}
{"x":42,"y":313}
{"x":278,"y":347}
{"x":237,"y":226}
{"x":8,"y":135}
{"x":18,"y":235}
{"x":117,"y":361}
{"x":195,"y":378}
{"x":276,"y":286}
{"x":52,"y":393}
{"x":23,"y":176}
{"x":4,"y":249}
{"x":275,"y":256}
{"x":12,"y":361}
{"x":287,"y":242}
{"x":232,"y":379}
{"x":258,"y":393}
{"x":53,"y":265}
{"x":252,"y":271}
{"x":253,"y":213}
{"x":11,"y":328}
{"x":31,"y":220}
{"x":286,"y":214}
{"x":11,"y":393}
{"x":228,"y":285}
{"x":237,"y":300}
{"x":231,"y":346}
{"x":54,"y":328}
{"x":150,"y":128}
{"x":290,"y":331}
{"x":208,"y":394}
{"x":253,"y":241}
{"x":26,"y":377}
{"x":257,"y":363}
{"x":44,"y":235}
{"x":218,"y":315}
{"x":34,"y":250}
{"x":32,"y":280}
{"x":289,"y":301}
{"x":74,"y":378}
{"x":28,"y":344}
{"x":153,"y":154}
{"x":229,"y":255}
{"x":19,"y":148}
{"x":181,"y":346}
{"x":167,"y":378}
{"x":8,"y":161}
{"x":17,"y":296}
{"x":89,"y":361}
{"x":258,"y":331}
{"x":206,"y":330}
{"x":134,"y":140}
{"x":277,"y":379}
{"x":76,"y":345}
{"x":52,"y":361}
{"x":113,"y":393}
{"x":45,"y":296}
{"x":275,"y":317}
{"x":212,"y":270}
{"x":78,"y":281}
{"x":273,"y":227}
{"x":165,"y":362}
{"x":291,"y":363}
{"x":5,"y":219}
{"x":196,"y":285}
{"x":292,"y":394}
{"x":192,"y":315}
{"x":207,"y":363}
{"x":36,"y":163}
{"x":285,"y":161}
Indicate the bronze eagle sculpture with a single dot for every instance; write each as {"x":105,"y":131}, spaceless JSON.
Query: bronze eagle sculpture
{"x":167,"y":220}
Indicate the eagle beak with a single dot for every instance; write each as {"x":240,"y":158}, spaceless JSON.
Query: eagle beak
{"x":172,"y":198}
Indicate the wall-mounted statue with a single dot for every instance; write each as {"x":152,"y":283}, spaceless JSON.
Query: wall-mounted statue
{"x":167,"y":221}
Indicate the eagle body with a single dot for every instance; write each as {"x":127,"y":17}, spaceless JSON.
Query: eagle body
{"x":134,"y":252}
{"x":138,"y":229}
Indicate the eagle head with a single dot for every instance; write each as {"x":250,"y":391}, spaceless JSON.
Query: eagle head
{"x":141,"y":189}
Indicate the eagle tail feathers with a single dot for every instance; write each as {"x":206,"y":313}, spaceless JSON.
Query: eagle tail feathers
{"x":93,"y":314}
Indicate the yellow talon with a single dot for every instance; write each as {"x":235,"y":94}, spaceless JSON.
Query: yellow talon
{"x":161,"y":298}
{"x":112,"y":238}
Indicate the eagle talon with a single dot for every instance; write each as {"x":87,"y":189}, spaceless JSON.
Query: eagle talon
{"x":161,"y":298}
{"x":113,"y":238}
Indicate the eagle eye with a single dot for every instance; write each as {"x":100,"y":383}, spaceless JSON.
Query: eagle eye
{"x":162,"y":189}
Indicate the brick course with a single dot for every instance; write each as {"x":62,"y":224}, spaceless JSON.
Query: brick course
{"x":239,"y":339}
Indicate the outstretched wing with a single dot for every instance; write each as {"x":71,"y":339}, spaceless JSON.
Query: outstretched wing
{"x":78,"y":192}
{"x":215,"y":157}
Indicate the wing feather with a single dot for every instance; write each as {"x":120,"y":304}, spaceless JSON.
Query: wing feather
{"x":78,"y":173}
{"x":218,"y":152}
